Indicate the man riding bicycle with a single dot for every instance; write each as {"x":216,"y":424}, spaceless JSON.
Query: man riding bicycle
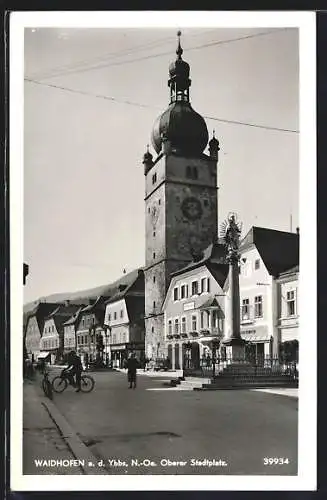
{"x":75,"y":367}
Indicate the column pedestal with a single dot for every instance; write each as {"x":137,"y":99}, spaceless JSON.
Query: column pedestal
{"x":235,"y":350}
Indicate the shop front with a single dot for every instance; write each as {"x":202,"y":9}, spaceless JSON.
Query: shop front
{"x":259,"y":344}
{"x":121,"y":352}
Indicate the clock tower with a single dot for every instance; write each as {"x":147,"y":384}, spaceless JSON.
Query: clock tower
{"x":181,"y":216}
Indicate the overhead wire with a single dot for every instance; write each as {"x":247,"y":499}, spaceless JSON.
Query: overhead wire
{"x":61,"y":70}
{"x":142,"y":105}
{"x":160,"y":54}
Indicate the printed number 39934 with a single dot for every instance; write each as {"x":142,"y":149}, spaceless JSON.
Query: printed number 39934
{"x":275,"y":461}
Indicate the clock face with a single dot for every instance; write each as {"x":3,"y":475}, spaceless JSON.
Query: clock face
{"x":192,"y":209}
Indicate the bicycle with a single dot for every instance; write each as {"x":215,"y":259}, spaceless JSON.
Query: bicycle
{"x":62,"y":381}
{"x":47,"y":385}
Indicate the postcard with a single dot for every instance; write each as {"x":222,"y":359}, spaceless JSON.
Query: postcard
{"x":162,"y":210}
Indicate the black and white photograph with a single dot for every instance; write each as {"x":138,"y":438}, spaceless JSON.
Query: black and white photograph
{"x":163,"y":317}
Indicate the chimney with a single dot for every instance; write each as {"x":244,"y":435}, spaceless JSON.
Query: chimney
{"x":67,"y":302}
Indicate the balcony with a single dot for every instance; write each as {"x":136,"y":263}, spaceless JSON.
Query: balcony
{"x":212,"y":332}
{"x":194,"y":334}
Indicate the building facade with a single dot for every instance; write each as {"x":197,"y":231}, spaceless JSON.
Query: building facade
{"x":90,"y":332}
{"x":34,"y":328}
{"x":124,"y":320}
{"x":194,"y":310}
{"x":52,"y":339}
{"x":70,"y":342}
{"x":265,"y":253}
{"x":288,"y":313}
{"x":180,"y":198}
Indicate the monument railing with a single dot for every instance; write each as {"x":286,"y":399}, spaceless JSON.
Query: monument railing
{"x":253,"y":366}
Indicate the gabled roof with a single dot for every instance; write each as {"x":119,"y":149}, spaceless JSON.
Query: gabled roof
{"x":292,"y":270}
{"x":41,"y":311}
{"x":74,"y":318}
{"x":215,"y":253}
{"x":97,"y":308}
{"x":62,"y":314}
{"x":135,"y":308}
{"x":212,"y":302}
{"x":279,"y":250}
{"x":132,"y":286}
{"x":133,"y":291}
{"x":218,"y":271}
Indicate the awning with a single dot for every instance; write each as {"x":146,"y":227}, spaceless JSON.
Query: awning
{"x":255,"y":333}
{"x":255,"y":338}
{"x":43,"y":355}
{"x":209,"y":339}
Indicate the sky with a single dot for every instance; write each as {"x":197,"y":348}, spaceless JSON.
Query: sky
{"x":83,"y":174}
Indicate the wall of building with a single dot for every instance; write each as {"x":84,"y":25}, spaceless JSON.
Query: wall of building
{"x":254,"y":283}
{"x":32,"y":339}
{"x":288,"y":324}
{"x":198,"y":198}
{"x":50,"y":337}
{"x":190,"y":307}
{"x":170,"y":235}
{"x":69,"y":337}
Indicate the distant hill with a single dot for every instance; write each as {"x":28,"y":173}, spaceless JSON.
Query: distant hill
{"x":83,"y":296}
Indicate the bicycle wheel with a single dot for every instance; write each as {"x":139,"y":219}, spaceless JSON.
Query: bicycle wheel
{"x":47,"y":388}
{"x":44,"y":386}
{"x":59,"y":384}
{"x":87,"y":383}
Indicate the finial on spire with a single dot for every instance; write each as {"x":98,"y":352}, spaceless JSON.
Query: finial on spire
{"x":179,"y":50}
{"x":213,"y":133}
{"x":147,"y":148}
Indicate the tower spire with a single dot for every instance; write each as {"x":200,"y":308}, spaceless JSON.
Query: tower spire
{"x":179,"y":50}
{"x":179,"y":72}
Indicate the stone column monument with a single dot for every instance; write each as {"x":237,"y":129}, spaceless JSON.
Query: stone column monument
{"x":235,"y":345}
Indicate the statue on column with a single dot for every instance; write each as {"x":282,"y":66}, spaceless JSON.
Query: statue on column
{"x":233,"y":341}
{"x":232,"y":234}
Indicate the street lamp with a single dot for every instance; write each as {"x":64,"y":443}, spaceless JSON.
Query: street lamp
{"x":215,"y":343}
{"x":106,"y":329}
{"x":188,"y":347}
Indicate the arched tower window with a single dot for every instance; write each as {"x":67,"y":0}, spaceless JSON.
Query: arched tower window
{"x":189,"y":172}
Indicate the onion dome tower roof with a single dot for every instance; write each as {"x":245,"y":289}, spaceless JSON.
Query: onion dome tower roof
{"x":183,"y":127}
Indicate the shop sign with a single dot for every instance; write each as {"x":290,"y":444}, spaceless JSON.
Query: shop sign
{"x":188,"y":306}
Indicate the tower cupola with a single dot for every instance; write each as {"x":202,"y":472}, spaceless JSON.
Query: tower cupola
{"x":180,"y":125}
{"x":147,"y":160}
{"x":214,"y":147}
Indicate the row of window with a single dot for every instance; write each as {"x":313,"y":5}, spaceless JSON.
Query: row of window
{"x":246,"y":268}
{"x":291,"y":303}
{"x":258,"y":308}
{"x":50,"y":344}
{"x":197,"y":287}
{"x":114,"y":316}
{"x":119,"y":338}
{"x":207,"y":320}
{"x":48,"y":329}
{"x":87,"y":321}
{"x":69,"y":341}
{"x":82,"y":340}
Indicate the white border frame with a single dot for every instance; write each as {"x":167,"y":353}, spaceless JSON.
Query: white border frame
{"x":305,"y":21}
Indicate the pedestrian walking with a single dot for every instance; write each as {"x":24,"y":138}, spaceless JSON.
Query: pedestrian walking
{"x":132,"y":365}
